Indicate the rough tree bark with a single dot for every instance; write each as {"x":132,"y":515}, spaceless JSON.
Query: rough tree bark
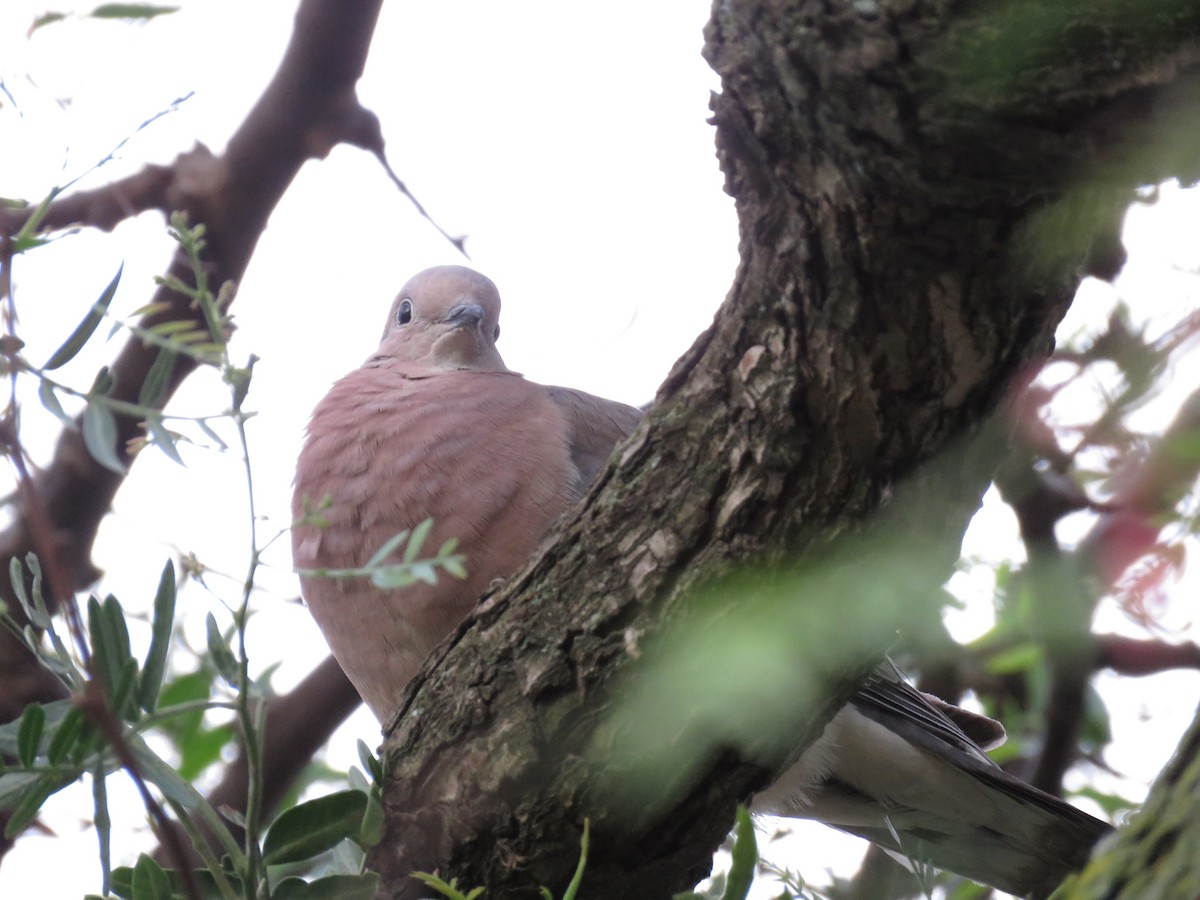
{"x":921,"y":187}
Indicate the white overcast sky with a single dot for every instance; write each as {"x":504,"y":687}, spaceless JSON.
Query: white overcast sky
{"x":568,"y":141}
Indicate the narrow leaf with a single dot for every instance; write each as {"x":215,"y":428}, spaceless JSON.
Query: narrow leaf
{"x":15,"y":785}
{"x":84,"y":329}
{"x":207,"y":429}
{"x":745,"y":858}
{"x":371,"y":831}
{"x":48,"y":783}
{"x":165,"y":778}
{"x":96,"y":633}
{"x":331,"y":887}
{"x":16,"y":574}
{"x":163,"y":438}
{"x":116,"y":624}
{"x":24,"y":238}
{"x":65,"y":736}
{"x":124,"y":695}
{"x":219,"y":651}
{"x":160,"y":640}
{"x":417,"y":541}
{"x":385,"y":551}
{"x":454,"y":566}
{"x":314,"y":827}
{"x":29,"y":735}
{"x":173,"y":326}
{"x":45,"y":19}
{"x":50,"y":401}
{"x":425,"y":571}
{"x":151,"y":309}
{"x":131,"y":11}
{"x":370,"y":762}
{"x":358,"y":781}
{"x":110,"y":642}
{"x":103,"y":384}
{"x":55,"y":711}
{"x":156,"y":379}
{"x":393,"y":577}
{"x":100,"y":436}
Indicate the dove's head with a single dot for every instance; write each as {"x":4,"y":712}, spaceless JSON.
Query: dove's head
{"x":447,"y":317}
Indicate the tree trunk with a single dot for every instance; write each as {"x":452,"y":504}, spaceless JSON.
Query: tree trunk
{"x":920,"y":186}
{"x":1158,"y":854}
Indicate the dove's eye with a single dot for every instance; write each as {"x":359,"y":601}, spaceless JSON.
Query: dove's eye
{"x":404,"y":312}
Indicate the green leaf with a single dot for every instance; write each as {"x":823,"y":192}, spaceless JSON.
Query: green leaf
{"x":165,"y":778}
{"x":84,"y":329}
{"x":15,"y":785}
{"x":116,"y":625}
{"x":745,"y":858}
{"x":204,"y":749}
{"x":219,"y":652}
{"x":213,"y":436}
{"x":50,"y":401}
{"x":24,"y":239}
{"x":331,"y":887}
{"x":452,"y":562}
{"x":16,"y":575}
{"x":160,"y":640}
{"x":110,"y":642}
{"x":130,"y":11}
{"x":370,"y":762}
{"x":55,"y":712}
{"x":46,"y":19}
{"x":371,"y":831}
{"x":1020,"y":658}
{"x":65,"y":736}
{"x":103,"y":384}
{"x":29,"y":735}
{"x":417,"y":541}
{"x":124,"y":695}
{"x":388,"y":546}
{"x":47,"y":783}
{"x":198,"y":745}
{"x":425,"y":571}
{"x":35,"y":588}
{"x":393,"y":577}
{"x":314,"y":827}
{"x":358,"y":781}
{"x":156,"y":379}
{"x":163,"y":438}
{"x":100,"y":436}
{"x":446,"y":889}
{"x":122,"y":883}
{"x":150,"y":882}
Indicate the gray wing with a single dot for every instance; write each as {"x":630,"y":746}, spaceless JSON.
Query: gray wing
{"x":1033,"y":841}
{"x":943,"y":729}
{"x":595,"y":426}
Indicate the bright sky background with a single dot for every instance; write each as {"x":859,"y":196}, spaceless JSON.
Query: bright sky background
{"x":569,"y":141}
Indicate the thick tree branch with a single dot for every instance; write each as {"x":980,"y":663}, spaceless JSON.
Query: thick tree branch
{"x":905,"y":254}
